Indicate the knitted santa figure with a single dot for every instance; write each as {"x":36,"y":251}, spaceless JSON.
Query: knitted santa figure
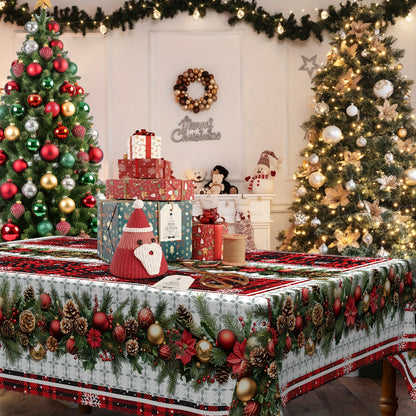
{"x":138,"y":255}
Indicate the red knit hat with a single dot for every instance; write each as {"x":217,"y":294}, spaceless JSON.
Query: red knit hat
{"x":138,"y":255}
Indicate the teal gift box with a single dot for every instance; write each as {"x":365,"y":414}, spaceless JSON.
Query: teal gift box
{"x":175,"y":237}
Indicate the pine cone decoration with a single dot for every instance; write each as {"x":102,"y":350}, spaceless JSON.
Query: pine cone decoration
{"x":24,"y":340}
{"x":27,"y":321}
{"x":259,"y":356}
{"x":70,"y":310}
{"x":52,"y":344}
{"x":358,"y":323}
{"x":317,"y":314}
{"x":320,"y":333}
{"x":222,"y":374}
{"x":185,"y":317}
{"x":272,"y":370}
{"x":66,"y":325}
{"x":131,"y":326}
{"x":291,"y":322}
{"x":29,"y":293}
{"x":396,"y":298}
{"x":7,"y":329}
{"x":132,"y":347}
{"x":288,"y":307}
{"x":281,"y":324}
{"x":330,"y":320}
{"x":81,"y":326}
{"x":301,"y":340}
{"x":316,"y":289}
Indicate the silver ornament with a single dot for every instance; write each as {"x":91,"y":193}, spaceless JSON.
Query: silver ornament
{"x":361,"y":141}
{"x":389,"y":158}
{"x":351,"y":110}
{"x":406,"y":97}
{"x":342,"y":34}
{"x":300,"y":218}
{"x":30,"y":46}
{"x":301,"y":191}
{"x":383,"y":253}
{"x":93,"y":133}
{"x":410,"y":176}
{"x":68,"y":183}
{"x":360,"y":204}
{"x":350,"y":185}
{"x":376,"y":31}
{"x":314,"y":158}
{"x":394,"y":138}
{"x":31,"y":27}
{"x":31,"y":125}
{"x":316,"y":179}
{"x":36,"y":157}
{"x":321,"y":108}
{"x":364,"y":53}
{"x":383,"y":88}
{"x":29,"y":189}
{"x":99,"y":196}
{"x":332,"y":134}
{"x":367,"y":238}
{"x":315,"y":222}
{"x":323,"y":249}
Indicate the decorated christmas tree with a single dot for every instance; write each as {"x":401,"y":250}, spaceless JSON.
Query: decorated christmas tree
{"x":356,"y":186}
{"x":49,"y":153}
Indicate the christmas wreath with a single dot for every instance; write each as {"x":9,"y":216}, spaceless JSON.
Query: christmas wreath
{"x":210,"y":90}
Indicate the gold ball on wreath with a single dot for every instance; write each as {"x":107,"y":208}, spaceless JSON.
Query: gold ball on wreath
{"x":155,"y":334}
{"x":11,"y":133}
{"x":246,"y":389}
{"x":66,"y":205}
{"x":402,"y":132}
{"x":48,"y":181}
{"x":387,"y":288}
{"x":310,"y":346}
{"x":37,"y":352}
{"x":68,"y":109}
{"x":203,"y":350}
{"x":366,"y":302}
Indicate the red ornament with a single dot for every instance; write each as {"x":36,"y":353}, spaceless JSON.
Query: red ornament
{"x":53,"y":26}
{"x":67,"y":88}
{"x":60,"y":64}
{"x":382,"y":302}
{"x":45,"y":301}
{"x":299,"y":324}
{"x":34,"y":69}
{"x":18,"y":68}
{"x":52,"y":107}
{"x":89,"y":201}
{"x":11,"y":86}
{"x":79,"y":89}
{"x":70,"y":346}
{"x":1,"y":316}
{"x":17,"y":209}
{"x":8,"y":190}
{"x":392,"y":274}
{"x":252,"y":408}
{"x":409,"y":278}
{"x":61,"y":132}
{"x":19,"y":165}
{"x":401,"y":288}
{"x":10,"y":231}
{"x":79,"y":131}
{"x":357,"y":293}
{"x":55,"y":328}
{"x":165,"y":352}
{"x":100,"y":321}
{"x":145,"y":318}
{"x":337,"y":306}
{"x":226,"y":339}
{"x":63,"y":227}
{"x":46,"y":53}
{"x":34,"y":100}
{"x":288,"y":344}
{"x":1,"y":134}
{"x":96,"y":154}
{"x":83,"y":157}
{"x":49,"y":151}
{"x":56,"y":42}
{"x":3,"y":157}
{"x":119,"y":333}
{"x":305,"y":295}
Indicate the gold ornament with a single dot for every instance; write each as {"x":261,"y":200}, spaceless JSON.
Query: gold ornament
{"x":366,"y":302}
{"x":155,"y":334}
{"x":406,"y":146}
{"x":316,"y":179}
{"x":68,"y":109}
{"x":387,"y":288}
{"x":11,"y":133}
{"x":410,"y":176}
{"x":402,"y":132}
{"x":360,"y":204}
{"x":48,"y":181}
{"x":310,"y":346}
{"x":246,"y":389}
{"x":66,"y":205}
{"x":203,"y":350}
{"x":37,"y":352}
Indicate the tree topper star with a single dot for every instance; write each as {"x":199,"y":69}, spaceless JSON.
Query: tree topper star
{"x":44,"y":4}
{"x":309,"y":65}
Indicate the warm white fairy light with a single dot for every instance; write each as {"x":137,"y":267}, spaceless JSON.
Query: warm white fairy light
{"x":280,"y":29}
{"x":103,"y":28}
{"x":409,"y":17}
{"x":240,"y":13}
{"x":196,"y":13}
{"x":2,"y":4}
{"x":156,"y":14}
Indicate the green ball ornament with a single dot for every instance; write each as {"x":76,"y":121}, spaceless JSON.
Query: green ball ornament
{"x":72,"y":68}
{"x":32,"y":144}
{"x":39,"y":209}
{"x":17,"y":110}
{"x":83,"y":107}
{"x":47,"y":83}
{"x":67,"y":160}
{"x":88,"y":179}
{"x":44,"y":228}
{"x":4,"y":111}
{"x":94,"y":224}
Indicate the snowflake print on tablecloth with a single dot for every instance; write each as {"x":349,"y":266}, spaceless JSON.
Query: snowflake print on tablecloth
{"x":90,"y":399}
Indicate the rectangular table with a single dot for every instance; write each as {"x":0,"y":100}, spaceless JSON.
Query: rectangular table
{"x":300,"y":321}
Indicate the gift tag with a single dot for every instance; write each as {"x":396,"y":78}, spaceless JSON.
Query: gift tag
{"x":174,"y":282}
{"x":170,"y":223}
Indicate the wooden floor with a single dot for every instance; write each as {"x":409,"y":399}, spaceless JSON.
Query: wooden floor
{"x":343,"y":397}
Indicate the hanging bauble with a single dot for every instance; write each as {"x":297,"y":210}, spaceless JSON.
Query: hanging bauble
{"x":78,"y":131}
{"x":10,"y":231}
{"x":17,"y":209}
{"x":394,"y":138}
{"x":17,"y":110}
{"x":29,"y":189}
{"x":145,"y":318}
{"x":8,"y":190}
{"x":321,"y":108}
{"x":68,"y":183}
{"x":252,"y":408}
{"x":351,"y":110}
{"x":332,"y":134}
{"x":53,"y":26}
{"x":383,"y":253}
{"x":47,"y":83}
{"x":34,"y":100}
{"x":96,"y":154}
{"x":383,"y":88}
{"x":203,"y":351}
{"x":310,"y":346}
{"x":19,"y":165}
{"x":56,"y":43}
{"x":11,"y":86}
{"x":323,"y":249}
{"x":410,"y":176}
{"x":99,"y":196}
{"x":313,"y":158}
{"x":39,"y":209}
{"x":61,"y":132}
{"x":44,"y":227}
{"x":31,"y":125}
{"x":52,"y":107}
{"x":67,"y":88}
{"x":63,"y":227}
{"x":67,"y":109}
{"x":1,"y":135}
{"x":70,"y":345}
{"x":31,"y":27}
{"x":78,"y":89}
{"x":30,"y":46}
{"x":18,"y":68}
{"x":11,"y":133}
{"x":165,"y":352}
{"x":66,"y":205}
{"x":60,"y":64}
{"x":389,"y":158}
{"x":4,"y":111}
{"x":46,"y":53}
{"x":246,"y":389}
{"x":226,"y":339}
{"x":100,"y":321}
{"x":89,"y":201}
{"x":402,"y":132}
{"x":350,"y":185}
{"x":367,"y":238}
{"x":387,"y":288}
{"x":93,"y":133}
{"x":316,"y":179}
{"x":72,"y":68}
{"x":32,"y":144}
{"x":94,"y":224}
{"x":83,"y":107}
{"x":364,"y":53}
{"x":34,"y":69}
{"x":67,"y":160}
{"x":88,"y":179}
{"x":155,"y":334}
{"x":315,"y":222}
{"x":49,"y":151}
{"x":83,"y":157}
{"x":301,"y":191}
{"x":300,"y":218}
{"x":48,"y":181}
{"x":361,"y":141}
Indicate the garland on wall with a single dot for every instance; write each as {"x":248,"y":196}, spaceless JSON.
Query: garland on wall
{"x":262,"y":21}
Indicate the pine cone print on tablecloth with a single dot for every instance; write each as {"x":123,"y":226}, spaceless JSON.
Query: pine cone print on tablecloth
{"x":29,"y":293}
{"x":132,"y":347}
{"x":291,"y":322}
{"x":281,"y":324}
{"x":301,"y":340}
{"x":66,"y":325}
{"x":70,"y":310}
{"x":288,"y":307}
{"x":24,"y":340}
{"x":81,"y":326}
{"x":222,"y":374}
{"x":396,"y":298}
{"x":52,"y":344}
{"x":27,"y":321}
{"x":272,"y":370}
{"x":317,"y":314}
{"x":131,"y":326}
{"x":330,"y":320}
{"x":185,"y":317}
{"x":259,"y":356}
{"x":7,"y":329}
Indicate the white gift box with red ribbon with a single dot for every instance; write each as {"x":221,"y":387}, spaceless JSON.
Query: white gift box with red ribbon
{"x":143,"y":144}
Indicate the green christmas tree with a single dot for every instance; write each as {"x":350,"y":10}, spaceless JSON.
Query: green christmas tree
{"x":356,"y":187}
{"x":49,"y":153}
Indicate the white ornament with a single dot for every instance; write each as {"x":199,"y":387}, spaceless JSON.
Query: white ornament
{"x":29,"y":189}
{"x":300,"y":218}
{"x":410,"y":176}
{"x":383,"y":253}
{"x":316,"y":179}
{"x":32,"y":27}
{"x":36,"y":157}
{"x":360,"y":204}
{"x":68,"y":183}
{"x":367,"y":238}
{"x":301,"y":191}
{"x":350,"y":185}
{"x":321,"y":108}
{"x":93,"y":133}
{"x":394,"y":138}
{"x":351,"y":110}
{"x":361,"y":141}
{"x":314,"y":158}
{"x":332,"y":134}
{"x":342,"y":34}
{"x":312,"y":102}
{"x":389,"y":158}
{"x":30,"y":46}
{"x":364,"y":53}
{"x":323,"y":249}
{"x":99,"y":196}
{"x":31,"y":125}
{"x":376,"y":31}
{"x":315,"y":222}
{"x":383,"y":88}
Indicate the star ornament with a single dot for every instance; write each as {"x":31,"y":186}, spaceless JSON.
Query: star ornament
{"x":373,"y":210}
{"x":387,"y":111}
{"x":359,"y":29}
{"x":309,"y":65}
{"x":345,"y":239}
{"x":44,"y":4}
{"x":348,"y":80}
{"x":387,"y":182}
{"x":337,"y":196}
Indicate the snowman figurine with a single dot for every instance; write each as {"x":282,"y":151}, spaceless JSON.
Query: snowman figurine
{"x":262,"y":182}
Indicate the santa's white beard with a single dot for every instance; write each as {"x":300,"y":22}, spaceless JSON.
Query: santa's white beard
{"x":150,"y":255}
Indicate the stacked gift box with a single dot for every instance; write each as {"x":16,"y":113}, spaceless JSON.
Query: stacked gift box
{"x":207,"y":241}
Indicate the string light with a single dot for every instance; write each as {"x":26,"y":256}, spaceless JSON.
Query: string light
{"x":156,"y":14}
{"x":409,"y":17}
{"x":196,"y":14}
{"x":324,"y":15}
{"x":2,"y":4}
{"x":240,"y":13}
{"x":280,"y":29}
{"x":103,"y":28}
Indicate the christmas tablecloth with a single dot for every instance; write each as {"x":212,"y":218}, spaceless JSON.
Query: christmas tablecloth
{"x":238,"y":341}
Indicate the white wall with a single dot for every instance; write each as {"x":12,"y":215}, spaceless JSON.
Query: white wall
{"x":263,"y":95}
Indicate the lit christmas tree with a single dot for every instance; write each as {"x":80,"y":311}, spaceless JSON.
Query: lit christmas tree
{"x":49,"y":153}
{"x":356,"y":187}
